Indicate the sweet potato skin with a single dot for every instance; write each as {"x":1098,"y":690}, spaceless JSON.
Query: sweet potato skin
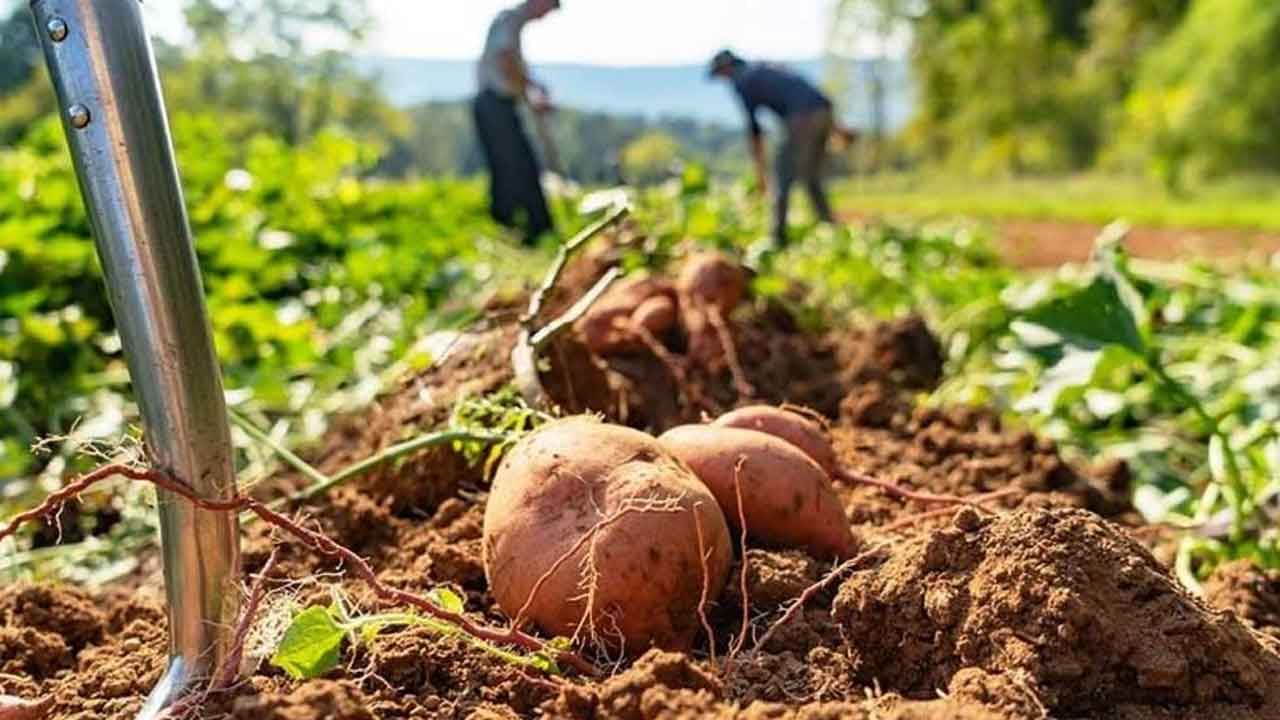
{"x":710,"y":278}
{"x":805,"y":433}
{"x":657,"y":314}
{"x":606,"y":328}
{"x":555,"y":486}
{"x":787,"y":498}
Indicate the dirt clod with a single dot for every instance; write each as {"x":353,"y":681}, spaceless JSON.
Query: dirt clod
{"x":1251,"y":593}
{"x":655,"y":686}
{"x":1060,"y":598}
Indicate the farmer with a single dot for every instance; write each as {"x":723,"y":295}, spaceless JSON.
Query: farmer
{"x":807,"y":115}
{"x":515,"y":191}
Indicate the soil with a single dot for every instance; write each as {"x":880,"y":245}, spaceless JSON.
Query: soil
{"x":1051,"y":243}
{"x":1252,"y":594}
{"x":1039,"y":604}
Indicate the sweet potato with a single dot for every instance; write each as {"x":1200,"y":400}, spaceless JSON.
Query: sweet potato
{"x":606,"y":328}
{"x":710,"y":278}
{"x":15,"y":708}
{"x":805,"y":433}
{"x":657,"y":314}
{"x":787,"y":497}
{"x":607,"y":521}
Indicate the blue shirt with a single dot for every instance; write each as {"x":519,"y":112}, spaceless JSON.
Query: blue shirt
{"x":776,"y":88}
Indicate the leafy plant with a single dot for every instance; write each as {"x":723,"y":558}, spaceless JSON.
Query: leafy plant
{"x":312,"y":644}
{"x":503,"y":412}
{"x":1164,"y":366}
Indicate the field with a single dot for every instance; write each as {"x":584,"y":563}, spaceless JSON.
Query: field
{"x":1044,"y":222}
{"x":1082,"y":466}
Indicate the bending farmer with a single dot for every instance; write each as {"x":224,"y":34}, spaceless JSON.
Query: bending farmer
{"x":515,"y":191}
{"x":807,"y":115}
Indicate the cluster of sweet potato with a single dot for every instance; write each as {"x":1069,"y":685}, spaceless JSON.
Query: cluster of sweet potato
{"x":604,"y":531}
{"x":706,"y":290}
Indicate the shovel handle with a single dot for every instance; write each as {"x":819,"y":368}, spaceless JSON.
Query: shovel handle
{"x":104,"y":74}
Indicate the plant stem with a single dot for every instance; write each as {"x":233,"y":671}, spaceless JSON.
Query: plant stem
{"x":392,"y":619}
{"x":562,"y":259}
{"x":322,"y":482}
{"x":1235,"y":479}
{"x":281,"y":451}
{"x":393,"y":452}
{"x":1176,"y":387}
{"x":580,"y":308}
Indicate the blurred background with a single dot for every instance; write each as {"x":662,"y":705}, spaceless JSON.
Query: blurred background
{"x":1166,"y":96}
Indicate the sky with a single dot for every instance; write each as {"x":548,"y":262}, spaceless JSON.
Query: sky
{"x":611,"y":32}
{"x":597,"y":32}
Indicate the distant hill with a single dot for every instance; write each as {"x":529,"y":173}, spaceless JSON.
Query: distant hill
{"x":651,"y":91}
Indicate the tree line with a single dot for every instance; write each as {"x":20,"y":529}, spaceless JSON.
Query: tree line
{"x":1180,"y":89}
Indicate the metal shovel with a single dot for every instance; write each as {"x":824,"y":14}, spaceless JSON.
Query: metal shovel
{"x":104,"y":73}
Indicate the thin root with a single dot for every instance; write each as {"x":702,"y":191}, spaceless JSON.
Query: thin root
{"x":313,"y":540}
{"x":856,"y":478}
{"x":975,"y":501}
{"x":798,"y":604}
{"x":704,"y":554}
{"x":742,"y":576}
{"x":740,"y":382}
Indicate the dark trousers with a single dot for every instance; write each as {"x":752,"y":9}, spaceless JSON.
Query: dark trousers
{"x":515,"y":190}
{"x":801,"y":157}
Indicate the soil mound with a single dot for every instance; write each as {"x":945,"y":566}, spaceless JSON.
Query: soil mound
{"x":1249,"y":592}
{"x":1057,"y":601}
{"x":962,"y":451}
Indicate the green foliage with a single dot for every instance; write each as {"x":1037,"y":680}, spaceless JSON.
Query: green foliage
{"x":1204,"y":101}
{"x":994,"y":81}
{"x":312,"y":644}
{"x":884,"y":270}
{"x":649,"y":158}
{"x":1092,"y":317}
{"x":1044,"y":85}
{"x":1169,"y":367}
{"x":503,"y":412}
{"x":317,"y":280}
{"x":257,"y":63}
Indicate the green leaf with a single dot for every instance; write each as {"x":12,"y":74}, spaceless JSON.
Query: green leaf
{"x":310,"y":645}
{"x":1076,"y":368}
{"x":446,"y":599}
{"x":1112,"y":261}
{"x":1092,"y":317}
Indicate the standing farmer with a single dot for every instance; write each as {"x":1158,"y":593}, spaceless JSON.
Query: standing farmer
{"x":806,"y":114}
{"x":515,"y":191}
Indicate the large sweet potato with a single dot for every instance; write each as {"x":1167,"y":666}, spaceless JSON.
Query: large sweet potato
{"x":787,"y":498}
{"x":618,"y":513}
{"x":803,"y":432}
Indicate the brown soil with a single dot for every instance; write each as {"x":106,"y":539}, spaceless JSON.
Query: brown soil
{"x":1250,"y":593}
{"x":1052,"y":243}
{"x":1040,"y":605}
{"x":1070,"y":606}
